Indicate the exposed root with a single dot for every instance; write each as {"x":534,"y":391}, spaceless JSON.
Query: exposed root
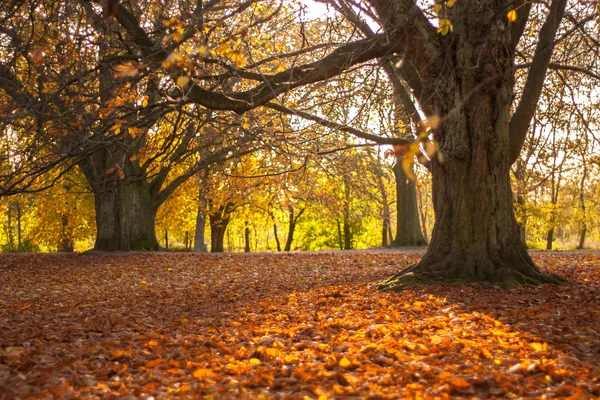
{"x":501,"y":278}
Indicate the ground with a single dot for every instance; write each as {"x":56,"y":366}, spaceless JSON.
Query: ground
{"x":303,"y":325}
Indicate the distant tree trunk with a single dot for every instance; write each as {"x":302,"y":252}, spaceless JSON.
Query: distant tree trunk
{"x":19,"y":241}
{"x":199,"y":245}
{"x":246,"y":237}
{"x":276,"y":236}
{"x":340,"y":236}
{"x":521,"y":201}
{"x":408,"y":232}
{"x":219,"y":219}
{"x":11,"y":238}
{"x":583,"y":230}
{"x":167,"y":239}
{"x":347,"y":223}
{"x":65,"y":243}
{"x":187,"y":241}
{"x":291,"y":228}
{"x":549,"y":239}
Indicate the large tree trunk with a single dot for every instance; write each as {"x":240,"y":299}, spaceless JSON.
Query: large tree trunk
{"x":408,"y":231}
{"x":475,"y":236}
{"x":142,"y":216}
{"x":219,"y":219}
{"x":111,"y":227}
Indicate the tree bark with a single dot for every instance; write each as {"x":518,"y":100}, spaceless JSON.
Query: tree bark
{"x":142,"y":216}
{"x":246,"y":237}
{"x":408,"y":232}
{"x":475,"y":236}
{"x":111,"y":227}
{"x":199,"y":245}
{"x":549,"y":239}
{"x":292,"y":228}
{"x":219,"y":219}
{"x":276,"y":236}
{"x":19,"y":240}
{"x":65,"y":243}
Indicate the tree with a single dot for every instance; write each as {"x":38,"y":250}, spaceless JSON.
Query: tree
{"x":461,"y":73}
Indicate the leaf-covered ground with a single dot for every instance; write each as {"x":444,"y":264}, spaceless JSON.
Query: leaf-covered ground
{"x":289,"y":327}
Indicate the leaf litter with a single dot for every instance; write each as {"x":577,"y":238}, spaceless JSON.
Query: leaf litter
{"x":289,"y":326}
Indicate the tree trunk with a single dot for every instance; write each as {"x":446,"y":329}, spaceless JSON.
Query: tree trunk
{"x":246,"y":237}
{"x":385,"y":225}
{"x":340,"y":236}
{"x":582,"y":236}
{"x":219,"y":219}
{"x":19,"y":240}
{"x":292,"y":228}
{"x":111,"y":228}
{"x":65,"y":243}
{"x":475,"y":236}
{"x":166,"y":239}
{"x":408,"y":232}
{"x":11,"y":239}
{"x":141,"y":211}
{"x":521,"y":201}
{"x":276,"y":236}
{"x":199,"y":245}
{"x":549,"y":239}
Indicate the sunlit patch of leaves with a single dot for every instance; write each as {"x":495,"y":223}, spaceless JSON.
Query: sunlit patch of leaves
{"x":266,"y":326}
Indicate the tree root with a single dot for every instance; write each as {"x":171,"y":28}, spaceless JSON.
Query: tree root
{"x":501,"y":278}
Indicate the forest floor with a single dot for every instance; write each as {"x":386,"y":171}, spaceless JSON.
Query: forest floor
{"x":299,"y":325}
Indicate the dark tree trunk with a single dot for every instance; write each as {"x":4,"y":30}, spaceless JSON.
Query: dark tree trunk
{"x":475,"y":236}
{"x":408,"y":232}
{"x":65,"y":243}
{"x":292,"y":228}
{"x":219,"y":219}
{"x":246,"y":237}
{"x":340,"y":236}
{"x":11,"y":239}
{"x":549,"y":239}
{"x":142,"y":210}
{"x":111,"y":227}
{"x":167,"y":239}
{"x":19,"y":240}
{"x":276,"y":236}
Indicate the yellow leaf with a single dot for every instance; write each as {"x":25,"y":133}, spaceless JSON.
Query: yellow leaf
{"x":538,"y":346}
{"x":344,"y":363}
{"x":445,"y":27}
{"x":437,"y":8}
{"x":450,"y":3}
{"x":202,"y":373}
{"x":144,"y":282}
{"x":512,"y":15}
{"x":152,"y":343}
{"x":145,"y":102}
{"x":203,"y":50}
{"x":254,"y":361}
{"x":182,"y":81}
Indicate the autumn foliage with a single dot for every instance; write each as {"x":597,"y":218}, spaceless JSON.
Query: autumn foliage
{"x":304,"y":325}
